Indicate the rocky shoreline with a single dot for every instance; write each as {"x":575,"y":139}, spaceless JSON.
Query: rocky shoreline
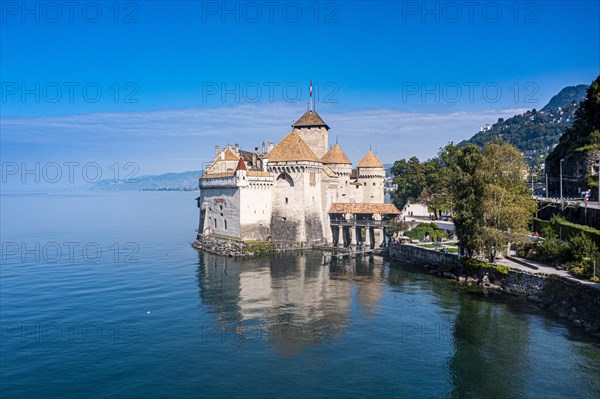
{"x":575,"y":301}
{"x":236,"y":248}
{"x":222,"y":247}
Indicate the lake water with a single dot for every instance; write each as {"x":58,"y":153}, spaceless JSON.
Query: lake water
{"x":101,"y":295}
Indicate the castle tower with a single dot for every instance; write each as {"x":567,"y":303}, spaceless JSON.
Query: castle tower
{"x":371,"y":176}
{"x":339,"y":163}
{"x":313,"y":131}
{"x":296,"y":195}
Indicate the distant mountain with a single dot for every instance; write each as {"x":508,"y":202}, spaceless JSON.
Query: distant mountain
{"x":536,"y":132}
{"x":566,"y":97}
{"x":185,"y":181}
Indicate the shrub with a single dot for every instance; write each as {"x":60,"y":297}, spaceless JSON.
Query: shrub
{"x":566,"y":229}
{"x":552,"y":249}
{"x":581,"y":246}
{"x":423,"y":229}
{"x":473,"y":264}
{"x":502,"y":269}
{"x":526,"y":250}
{"x":580,"y":268}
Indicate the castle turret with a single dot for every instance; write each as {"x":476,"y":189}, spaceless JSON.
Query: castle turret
{"x":339,"y":163}
{"x":370,"y":178}
{"x":241,"y":173}
{"x":314,"y":132}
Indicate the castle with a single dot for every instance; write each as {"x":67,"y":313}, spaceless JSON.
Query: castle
{"x":298,"y":191}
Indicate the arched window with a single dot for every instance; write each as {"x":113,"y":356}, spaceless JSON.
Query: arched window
{"x":284,"y":179}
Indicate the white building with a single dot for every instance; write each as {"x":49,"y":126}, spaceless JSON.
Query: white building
{"x":291,"y":192}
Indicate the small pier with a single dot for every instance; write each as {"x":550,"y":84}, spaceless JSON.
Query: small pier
{"x":336,"y":253}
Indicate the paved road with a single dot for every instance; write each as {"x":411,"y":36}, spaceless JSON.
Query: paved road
{"x":590,"y":204}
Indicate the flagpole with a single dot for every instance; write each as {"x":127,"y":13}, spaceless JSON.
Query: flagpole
{"x":311,"y":98}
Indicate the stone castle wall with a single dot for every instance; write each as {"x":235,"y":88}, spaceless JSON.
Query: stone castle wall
{"x":256,"y":211}
{"x":297,"y":213}
{"x":222,"y":211}
{"x":317,"y":138}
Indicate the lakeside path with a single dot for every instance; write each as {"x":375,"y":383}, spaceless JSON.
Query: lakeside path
{"x":541,"y":269}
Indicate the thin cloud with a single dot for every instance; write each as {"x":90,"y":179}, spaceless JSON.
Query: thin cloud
{"x":179,"y":139}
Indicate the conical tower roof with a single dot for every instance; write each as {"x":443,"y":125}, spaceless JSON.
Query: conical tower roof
{"x":370,"y":160}
{"x":310,"y":119}
{"x":336,"y":155}
{"x":241,"y":165}
{"x":292,"y":148}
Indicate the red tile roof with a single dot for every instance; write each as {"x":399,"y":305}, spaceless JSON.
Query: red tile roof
{"x":310,"y":118}
{"x":230,"y":155}
{"x":292,"y":148}
{"x":370,"y":160}
{"x":241,"y":165}
{"x":336,"y":155}
{"x":217,"y":175}
{"x":382,"y":209}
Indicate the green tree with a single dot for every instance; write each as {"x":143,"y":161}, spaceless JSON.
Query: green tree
{"x":397,"y":226}
{"x":410,"y":178}
{"x":507,"y":201}
{"x":465,"y":187}
{"x":488,"y":190}
{"x":434,"y":193}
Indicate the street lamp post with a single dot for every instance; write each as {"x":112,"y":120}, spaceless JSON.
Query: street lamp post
{"x":561,"y":184}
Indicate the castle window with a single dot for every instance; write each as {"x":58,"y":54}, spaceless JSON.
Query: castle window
{"x":284,"y":218}
{"x":373,"y":183}
{"x":215,"y":223}
{"x":221,"y":206}
{"x":286,"y":200}
{"x":225,"y":222}
{"x":365,"y":183}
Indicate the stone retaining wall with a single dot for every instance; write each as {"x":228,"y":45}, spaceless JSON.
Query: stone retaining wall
{"x":570,"y":299}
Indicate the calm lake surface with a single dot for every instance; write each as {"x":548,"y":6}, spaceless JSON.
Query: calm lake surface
{"x":102,"y":296}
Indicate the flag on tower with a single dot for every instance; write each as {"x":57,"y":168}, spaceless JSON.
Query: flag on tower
{"x":311,"y":87}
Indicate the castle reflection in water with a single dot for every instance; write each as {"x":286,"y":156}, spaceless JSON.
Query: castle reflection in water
{"x":291,"y":300}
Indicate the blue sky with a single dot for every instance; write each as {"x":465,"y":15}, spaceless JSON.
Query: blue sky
{"x":161,"y":83}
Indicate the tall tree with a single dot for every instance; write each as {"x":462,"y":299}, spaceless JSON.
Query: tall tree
{"x":465,"y":187}
{"x":506,"y":199}
{"x":410,"y":178}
